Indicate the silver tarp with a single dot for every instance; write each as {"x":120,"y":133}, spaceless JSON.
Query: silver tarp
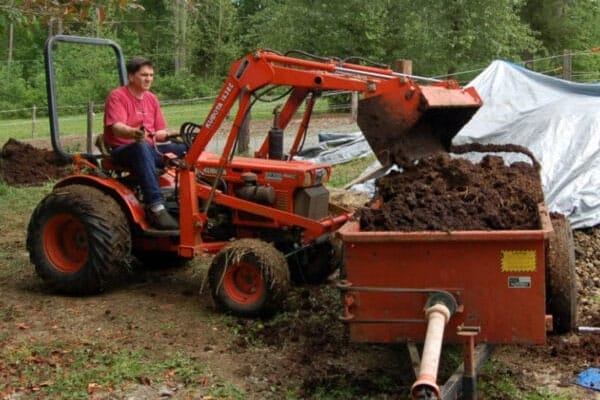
{"x":559,"y":121}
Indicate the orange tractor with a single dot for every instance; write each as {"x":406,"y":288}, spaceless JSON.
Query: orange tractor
{"x":267,"y":218}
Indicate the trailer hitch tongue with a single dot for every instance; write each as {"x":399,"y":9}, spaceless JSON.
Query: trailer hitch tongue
{"x":403,"y":121}
{"x":439,"y":308}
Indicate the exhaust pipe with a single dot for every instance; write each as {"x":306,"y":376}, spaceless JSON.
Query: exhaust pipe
{"x":439,"y":308}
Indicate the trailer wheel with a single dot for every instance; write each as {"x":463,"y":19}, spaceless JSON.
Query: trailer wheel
{"x":314,"y":265}
{"x":249,"y":278}
{"x":77,"y":238}
{"x":561,"y":287}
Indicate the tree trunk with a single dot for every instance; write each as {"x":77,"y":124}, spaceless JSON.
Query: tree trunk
{"x":181,"y":27}
{"x":11,"y":31}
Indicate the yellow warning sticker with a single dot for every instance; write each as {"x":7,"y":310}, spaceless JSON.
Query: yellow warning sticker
{"x":518,"y":260}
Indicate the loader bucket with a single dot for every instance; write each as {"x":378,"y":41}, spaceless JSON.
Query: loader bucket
{"x":403,"y":121}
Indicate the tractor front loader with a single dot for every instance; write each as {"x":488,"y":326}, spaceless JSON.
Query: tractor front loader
{"x":266,"y":217}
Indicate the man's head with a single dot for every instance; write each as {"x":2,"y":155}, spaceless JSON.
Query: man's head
{"x":135,"y":63}
{"x":140,"y":72}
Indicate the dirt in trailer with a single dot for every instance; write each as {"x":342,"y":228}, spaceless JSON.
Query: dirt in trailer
{"x":443,"y":193}
{"x":303,"y":352}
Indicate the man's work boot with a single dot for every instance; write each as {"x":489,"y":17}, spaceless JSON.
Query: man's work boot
{"x":162,"y":220}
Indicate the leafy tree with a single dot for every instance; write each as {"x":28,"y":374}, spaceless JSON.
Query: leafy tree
{"x":217,"y":40}
{"x":586,"y":17}
{"x":194,"y":42}
{"x":437,"y":34}
{"x":572,"y":25}
{"x":33,"y":21}
{"x":245,"y":10}
{"x":443,"y":36}
{"x":332,"y":28}
{"x":15,"y":93}
{"x":548,"y":18}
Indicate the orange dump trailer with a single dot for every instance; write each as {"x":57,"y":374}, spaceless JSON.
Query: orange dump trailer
{"x":456,"y":286}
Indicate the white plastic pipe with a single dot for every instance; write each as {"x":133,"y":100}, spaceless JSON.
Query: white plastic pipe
{"x":437,"y":318}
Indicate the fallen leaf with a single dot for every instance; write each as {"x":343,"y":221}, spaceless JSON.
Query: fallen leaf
{"x":144,"y":380}
{"x":93,"y":387}
{"x":203,"y":381}
{"x":170,"y":373}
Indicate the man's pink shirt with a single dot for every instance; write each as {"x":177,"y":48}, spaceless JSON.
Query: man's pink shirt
{"x":122,"y":106}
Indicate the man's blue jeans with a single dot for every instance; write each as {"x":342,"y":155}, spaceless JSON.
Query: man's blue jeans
{"x":143,"y":159}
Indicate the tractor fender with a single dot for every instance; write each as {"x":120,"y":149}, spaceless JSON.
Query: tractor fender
{"x":124,"y":195}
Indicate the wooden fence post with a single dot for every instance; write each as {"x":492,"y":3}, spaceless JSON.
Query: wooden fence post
{"x":354,"y":106}
{"x":90,"y":127}
{"x":567,"y":66}
{"x":243,"y":144}
{"x":403,"y":66}
{"x":33,"y":112}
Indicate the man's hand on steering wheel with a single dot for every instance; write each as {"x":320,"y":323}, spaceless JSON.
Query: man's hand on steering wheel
{"x":139,"y":134}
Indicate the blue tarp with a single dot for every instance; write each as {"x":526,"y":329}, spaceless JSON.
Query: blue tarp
{"x":590,"y":378}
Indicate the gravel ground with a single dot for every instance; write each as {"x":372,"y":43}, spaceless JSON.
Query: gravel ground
{"x":587,"y":255}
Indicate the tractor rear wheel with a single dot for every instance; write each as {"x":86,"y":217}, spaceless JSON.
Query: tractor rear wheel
{"x":77,"y":238}
{"x":249,"y":278}
{"x":561,"y":287}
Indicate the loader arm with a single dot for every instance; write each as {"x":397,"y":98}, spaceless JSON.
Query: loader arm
{"x":262,"y":68}
{"x":396,"y":111}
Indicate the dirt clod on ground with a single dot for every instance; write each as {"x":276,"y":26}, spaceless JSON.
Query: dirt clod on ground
{"x":443,"y":193}
{"x":21,"y":164}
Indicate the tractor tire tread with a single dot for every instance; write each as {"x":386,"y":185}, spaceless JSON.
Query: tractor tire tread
{"x":108,"y":231}
{"x":273,"y":268}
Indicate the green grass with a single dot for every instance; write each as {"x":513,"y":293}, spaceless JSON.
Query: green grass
{"x":50,"y":370}
{"x":343,"y":173}
{"x":24,"y":128}
{"x":16,"y":205}
{"x":16,"y":200}
{"x":227,"y":391}
{"x":499,"y":384}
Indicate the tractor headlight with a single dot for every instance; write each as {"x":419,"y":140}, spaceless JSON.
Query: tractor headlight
{"x":307,"y":179}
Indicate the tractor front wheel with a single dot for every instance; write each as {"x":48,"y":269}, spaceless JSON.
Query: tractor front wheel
{"x":249,"y":278}
{"x":77,"y":238}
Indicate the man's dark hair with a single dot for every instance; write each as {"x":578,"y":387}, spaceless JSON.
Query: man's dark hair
{"x":135,"y":63}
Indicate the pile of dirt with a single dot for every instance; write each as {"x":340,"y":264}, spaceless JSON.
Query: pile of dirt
{"x":21,"y":164}
{"x":443,"y":193}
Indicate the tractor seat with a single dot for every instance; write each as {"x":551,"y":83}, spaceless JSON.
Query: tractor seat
{"x":106,"y":161}
{"x":108,"y":164}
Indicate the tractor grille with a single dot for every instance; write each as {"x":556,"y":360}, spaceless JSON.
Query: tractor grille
{"x":281,"y":201}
